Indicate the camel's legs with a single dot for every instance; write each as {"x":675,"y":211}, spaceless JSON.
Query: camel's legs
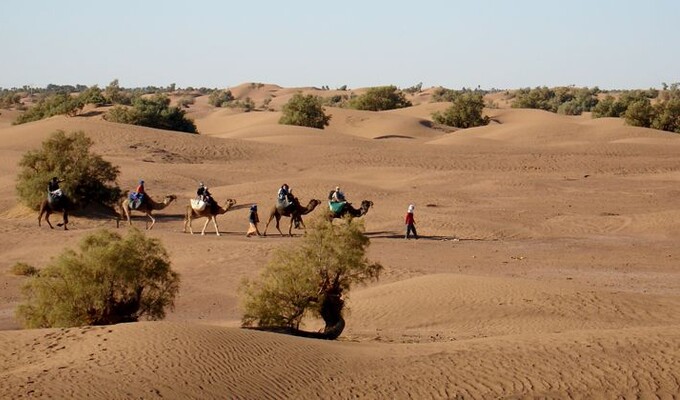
{"x":207,"y":221}
{"x":47,"y":219}
{"x":127,"y":215}
{"x":217,"y":230}
{"x":64,"y":222}
{"x":153,"y":221}
{"x":266,"y":226}
{"x":278,"y":219}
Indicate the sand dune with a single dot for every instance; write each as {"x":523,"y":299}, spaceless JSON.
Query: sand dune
{"x":546,"y":268}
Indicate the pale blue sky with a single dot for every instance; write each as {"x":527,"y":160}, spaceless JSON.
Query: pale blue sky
{"x":501,"y":43}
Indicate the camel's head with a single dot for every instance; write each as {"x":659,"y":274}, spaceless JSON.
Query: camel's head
{"x":169,"y":198}
{"x":366,"y":204}
{"x":314,"y":202}
{"x":230,"y":203}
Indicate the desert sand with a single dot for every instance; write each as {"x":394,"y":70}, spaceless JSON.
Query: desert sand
{"x":547,"y":265}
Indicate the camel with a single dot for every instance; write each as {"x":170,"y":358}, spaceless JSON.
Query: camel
{"x":207,"y":212}
{"x":296,"y":214}
{"x":351,"y":211}
{"x":48,"y":209}
{"x":147,"y":207}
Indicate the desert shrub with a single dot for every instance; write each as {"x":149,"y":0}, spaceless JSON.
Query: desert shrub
{"x":247,"y":104}
{"x":219,"y":98}
{"x":639,"y":113}
{"x":56,"y":104}
{"x":380,"y":98}
{"x":551,"y":99}
{"x":185,"y":101}
{"x":414,"y":89}
{"x":310,"y":278}
{"x":442,"y":94}
{"x":10,"y":99}
{"x":92,"y":95}
{"x":304,"y":110}
{"x":87,"y":176}
{"x":114,"y":94}
{"x":609,"y":107}
{"x":154,"y":112}
{"x":110,"y":279}
{"x":465,"y":112}
{"x":24,"y":269}
{"x":667,"y":116}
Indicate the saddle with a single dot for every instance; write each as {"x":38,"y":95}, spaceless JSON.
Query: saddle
{"x":55,"y":198}
{"x":198,"y":204}
{"x":135,"y":200}
{"x":336,"y":206}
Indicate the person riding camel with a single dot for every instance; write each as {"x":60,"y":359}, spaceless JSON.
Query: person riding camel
{"x":203,"y":193}
{"x":140,"y":190}
{"x":54,"y":192}
{"x":285,"y":197}
{"x":336,"y":200}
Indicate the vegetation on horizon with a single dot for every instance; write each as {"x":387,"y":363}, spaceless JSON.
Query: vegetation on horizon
{"x":306,"y":111}
{"x":154,"y":112}
{"x":562,"y":100}
{"x":380,"y":98}
{"x":110,"y":279}
{"x":309,"y":279}
{"x":87,"y":176}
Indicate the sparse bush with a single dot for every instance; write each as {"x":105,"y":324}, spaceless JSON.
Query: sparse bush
{"x":304,"y":110}
{"x":220,"y":98}
{"x":114,"y":94}
{"x":379,"y":99}
{"x":247,"y":104}
{"x":110,"y":280}
{"x":86,"y":175}
{"x":92,"y":95}
{"x":465,"y":112}
{"x":310,"y":279}
{"x":414,"y":89}
{"x":155,"y":112}
{"x":24,"y":269}
{"x":56,"y":104}
{"x":343,"y":88}
{"x":9,"y":100}
{"x":442,"y":94}
{"x":185,"y":101}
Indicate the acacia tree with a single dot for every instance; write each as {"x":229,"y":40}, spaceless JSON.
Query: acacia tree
{"x":87,"y":176}
{"x":304,"y":110}
{"x":310,"y":279}
{"x":110,"y":280}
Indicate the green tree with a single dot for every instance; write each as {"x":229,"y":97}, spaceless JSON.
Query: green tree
{"x":310,"y":279}
{"x":379,"y":99}
{"x":465,"y":112}
{"x":304,"y":110}
{"x":667,"y":116}
{"x":110,"y":279}
{"x":609,"y":107}
{"x":154,"y":112}
{"x":87,"y":176}
{"x":640,"y":113}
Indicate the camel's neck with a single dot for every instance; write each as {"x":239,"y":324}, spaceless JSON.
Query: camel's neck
{"x":310,"y":207}
{"x":159,"y":206}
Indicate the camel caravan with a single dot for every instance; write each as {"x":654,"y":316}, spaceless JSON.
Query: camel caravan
{"x":205,"y":206}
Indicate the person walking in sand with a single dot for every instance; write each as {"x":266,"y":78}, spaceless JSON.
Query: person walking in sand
{"x":254,"y":219}
{"x":410,"y":222}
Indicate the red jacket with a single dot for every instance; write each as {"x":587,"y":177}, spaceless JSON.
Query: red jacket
{"x":408,"y":220}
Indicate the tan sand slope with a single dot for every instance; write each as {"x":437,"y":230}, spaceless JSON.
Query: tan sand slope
{"x":546,"y":268}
